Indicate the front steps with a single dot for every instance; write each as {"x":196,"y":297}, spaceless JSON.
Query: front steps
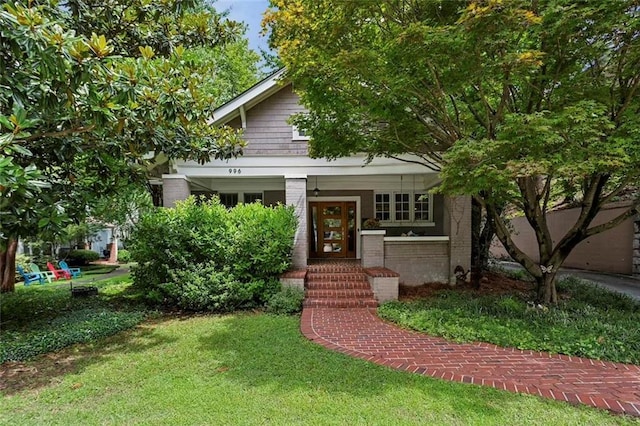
{"x":338,"y":286}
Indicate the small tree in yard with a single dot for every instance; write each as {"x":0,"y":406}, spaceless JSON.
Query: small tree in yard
{"x":522,"y":103}
{"x":87,"y":90}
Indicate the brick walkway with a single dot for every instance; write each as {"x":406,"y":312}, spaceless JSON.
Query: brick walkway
{"x":360,"y":333}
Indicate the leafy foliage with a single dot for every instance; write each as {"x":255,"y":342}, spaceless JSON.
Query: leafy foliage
{"x":287,"y":301}
{"x":519,"y":102}
{"x":124,"y":256}
{"x":588,"y":322}
{"x":87,"y":90}
{"x":82,"y":257}
{"x":201,"y":256}
{"x":41,"y":319}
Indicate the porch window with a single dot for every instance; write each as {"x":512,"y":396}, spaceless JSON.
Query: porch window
{"x":252,"y":197}
{"x":383,"y":207}
{"x":402,"y":206}
{"x":405,"y":207}
{"x":421,"y":207}
{"x":229,"y":200}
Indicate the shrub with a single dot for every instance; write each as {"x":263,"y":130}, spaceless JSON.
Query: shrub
{"x":287,"y":301}
{"x":124,"y":256}
{"x":201,"y":256}
{"x":82,"y":257}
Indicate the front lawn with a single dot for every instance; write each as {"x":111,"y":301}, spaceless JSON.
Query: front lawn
{"x":247,"y":369}
{"x":588,"y":321}
{"x":42,"y":318}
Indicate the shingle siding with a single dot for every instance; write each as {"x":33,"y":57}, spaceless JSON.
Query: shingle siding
{"x":267,"y":131}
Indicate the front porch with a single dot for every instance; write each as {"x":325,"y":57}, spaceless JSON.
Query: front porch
{"x":345,"y":283}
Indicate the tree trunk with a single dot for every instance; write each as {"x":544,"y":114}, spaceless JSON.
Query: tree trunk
{"x":8,"y":267}
{"x":546,"y":289}
{"x":482,"y":232}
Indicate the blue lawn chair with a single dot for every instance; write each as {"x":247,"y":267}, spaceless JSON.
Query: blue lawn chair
{"x":74,"y":272}
{"x":29,"y":277}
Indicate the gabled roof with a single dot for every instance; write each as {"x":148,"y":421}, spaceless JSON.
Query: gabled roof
{"x":247,"y":99}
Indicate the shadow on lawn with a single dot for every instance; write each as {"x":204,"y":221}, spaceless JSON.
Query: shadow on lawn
{"x":262,"y":350}
{"x":52,"y":367}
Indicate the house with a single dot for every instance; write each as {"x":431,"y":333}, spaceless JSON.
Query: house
{"x":616,"y":250}
{"x":332,"y":199}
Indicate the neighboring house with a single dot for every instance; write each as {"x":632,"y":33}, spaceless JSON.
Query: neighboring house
{"x":616,"y":250}
{"x":332,"y":198}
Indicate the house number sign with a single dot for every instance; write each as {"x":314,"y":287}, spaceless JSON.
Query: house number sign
{"x":235,"y":171}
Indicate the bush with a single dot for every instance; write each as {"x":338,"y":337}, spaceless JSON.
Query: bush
{"x":82,"y":257}
{"x":201,"y":256}
{"x":124,"y":256}
{"x":287,"y":301}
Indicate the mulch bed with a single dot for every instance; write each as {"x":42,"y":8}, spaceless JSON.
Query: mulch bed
{"x":492,"y":284}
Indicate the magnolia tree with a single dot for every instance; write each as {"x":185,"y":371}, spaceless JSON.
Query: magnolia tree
{"x":81,"y":110}
{"x":518,"y":103}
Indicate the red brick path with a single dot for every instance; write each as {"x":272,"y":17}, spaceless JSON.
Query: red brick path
{"x":360,"y":333}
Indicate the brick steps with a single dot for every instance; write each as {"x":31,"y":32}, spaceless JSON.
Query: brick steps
{"x":338,"y":286}
{"x":340,"y":303}
{"x":340,"y":294}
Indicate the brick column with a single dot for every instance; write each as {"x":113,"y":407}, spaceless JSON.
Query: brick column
{"x":457,"y":221}
{"x":174,"y":188}
{"x":372,"y":248}
{"x":635,"y":267}
{"x":296,"y":195}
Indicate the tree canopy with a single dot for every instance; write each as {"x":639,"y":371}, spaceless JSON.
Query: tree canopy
{"x":525,"y":103}
{"x":88,"y":89}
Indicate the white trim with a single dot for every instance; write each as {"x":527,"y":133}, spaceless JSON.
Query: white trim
{"x":177,"y":176}
{"x":251,"y":97}
{"x":355,"y":165}
{"x":296,"y":136}
{"x":355,"y":198}
{"x":416,"y":239}
{"x":373,"y":232}
{"x":295,"y":176}
{"x":243,"y":117}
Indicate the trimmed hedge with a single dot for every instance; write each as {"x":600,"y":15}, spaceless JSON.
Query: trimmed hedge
{"x":200,"y":256}
{"x":82,"y":257}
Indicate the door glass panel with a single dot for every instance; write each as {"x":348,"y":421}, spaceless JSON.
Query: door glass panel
{"x":314,"y":229}
{"x":337,"y":247}
{"x":351,"y":233}
{"x":332,"y":223}
{"x":332,"y":235}
{"x":332,"y":210}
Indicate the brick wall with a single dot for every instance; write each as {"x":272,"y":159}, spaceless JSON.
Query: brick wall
{"x":418,"y":262}
{"x":296,"y":195}
{"x":372,"y":250}
{"x":174,"y":188}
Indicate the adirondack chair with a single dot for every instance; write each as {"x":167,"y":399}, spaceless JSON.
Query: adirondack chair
{"x":58,"y":273}
{"x":29,"y":277}
{"x":45,"y":274}
{"x":74,"y":272}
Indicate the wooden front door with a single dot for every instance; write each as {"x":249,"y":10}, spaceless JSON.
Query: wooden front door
{"x":332,"y":229}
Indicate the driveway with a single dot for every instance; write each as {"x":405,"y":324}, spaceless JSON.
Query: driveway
{"x":621,"y":283}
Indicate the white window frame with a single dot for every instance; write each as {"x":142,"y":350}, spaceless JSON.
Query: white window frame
{"x":392,"y":209}
{"x":296,"y":136}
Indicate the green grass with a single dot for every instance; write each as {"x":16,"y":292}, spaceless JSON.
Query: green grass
{"x":589,"y":321}
{"x":40,"y":319}
{"x":251,"y":369}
